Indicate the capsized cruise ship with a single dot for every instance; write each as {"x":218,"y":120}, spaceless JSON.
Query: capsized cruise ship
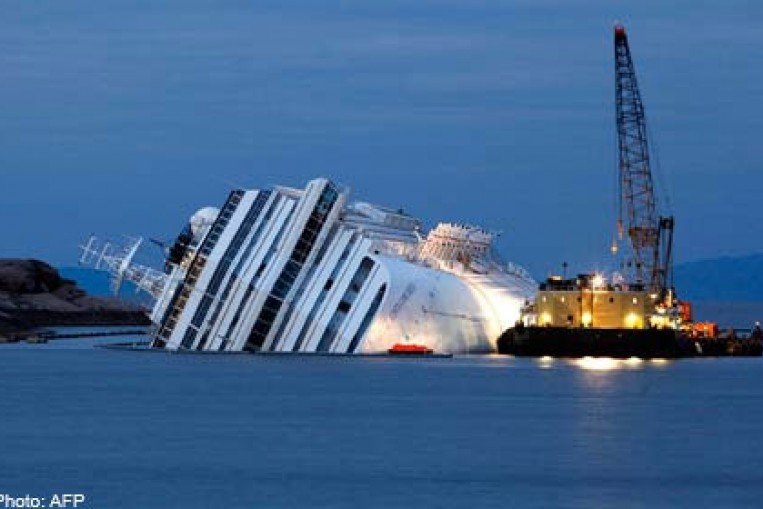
{"x":305,"y":270}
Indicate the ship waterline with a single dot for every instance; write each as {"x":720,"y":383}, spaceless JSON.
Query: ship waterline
{"x":305,"y":270}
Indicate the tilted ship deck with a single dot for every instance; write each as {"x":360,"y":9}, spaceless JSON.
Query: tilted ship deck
{"x":305,"y":270}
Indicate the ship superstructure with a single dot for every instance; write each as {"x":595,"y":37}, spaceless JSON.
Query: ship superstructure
{"x":305,"y":270}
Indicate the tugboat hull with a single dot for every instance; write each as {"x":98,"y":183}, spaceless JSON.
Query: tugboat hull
{"x":616,"y":343}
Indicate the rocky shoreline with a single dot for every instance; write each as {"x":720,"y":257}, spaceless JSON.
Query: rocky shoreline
{"x":33,"y":295}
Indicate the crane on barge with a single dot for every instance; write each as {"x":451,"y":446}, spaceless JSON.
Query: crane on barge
{"x":650,"y":234}
{"x":591,"y":316}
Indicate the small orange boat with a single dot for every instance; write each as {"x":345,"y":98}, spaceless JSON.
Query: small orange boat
{"x":409,"y":349}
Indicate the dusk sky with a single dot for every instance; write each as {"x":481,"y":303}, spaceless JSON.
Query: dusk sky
{"x":125,"y":117}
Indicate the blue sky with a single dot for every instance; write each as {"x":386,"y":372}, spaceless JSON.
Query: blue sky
{"x":125,"y":117}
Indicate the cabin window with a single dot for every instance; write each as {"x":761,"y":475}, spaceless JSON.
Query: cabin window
{"x":370,"y":314}
{"x":359,"y":279}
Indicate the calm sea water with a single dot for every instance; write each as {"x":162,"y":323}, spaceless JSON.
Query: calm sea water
{"x":132,"y":429}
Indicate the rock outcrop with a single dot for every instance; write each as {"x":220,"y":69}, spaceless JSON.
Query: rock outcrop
{"x":33,"y":294}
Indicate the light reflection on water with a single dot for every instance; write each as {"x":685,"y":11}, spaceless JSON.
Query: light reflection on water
{"x":600,"y":363}
{"x":610,"y":364}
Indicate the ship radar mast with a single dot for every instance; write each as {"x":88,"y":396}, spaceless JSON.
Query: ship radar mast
{"x":118,"y":262}
{"x":650,"y":234}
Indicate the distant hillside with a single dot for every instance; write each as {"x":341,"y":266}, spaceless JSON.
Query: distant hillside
{"x":721,"y":279}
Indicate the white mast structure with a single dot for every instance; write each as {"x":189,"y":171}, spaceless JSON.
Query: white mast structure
{"x":118,"y":261}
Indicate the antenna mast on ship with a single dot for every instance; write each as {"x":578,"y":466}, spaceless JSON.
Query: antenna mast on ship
{"x":118,"y":261}
{"x":650,"y":235}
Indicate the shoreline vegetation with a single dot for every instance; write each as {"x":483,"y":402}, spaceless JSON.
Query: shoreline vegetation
{"x":33,"y":295}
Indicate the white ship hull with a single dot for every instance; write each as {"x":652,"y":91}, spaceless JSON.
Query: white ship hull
{"x":304,"y":271}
